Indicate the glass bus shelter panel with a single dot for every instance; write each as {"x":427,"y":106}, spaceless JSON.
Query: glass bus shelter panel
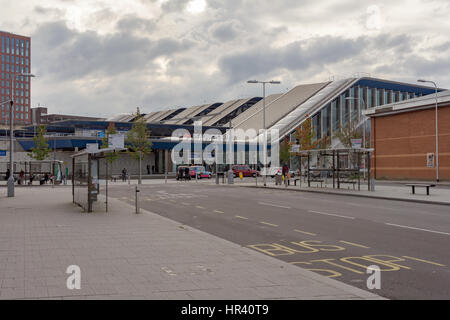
{"x":80,"y":182}
{"x":97,"y":191}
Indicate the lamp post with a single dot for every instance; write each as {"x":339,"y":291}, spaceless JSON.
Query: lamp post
{"x":437,"y":127}
{"x":11,"y":133}
{"x":264,"y":121}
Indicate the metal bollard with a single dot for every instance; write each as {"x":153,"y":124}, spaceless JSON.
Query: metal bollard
{"x":137,"y":201}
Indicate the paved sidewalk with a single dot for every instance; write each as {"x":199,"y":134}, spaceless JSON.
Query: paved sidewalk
{"x":438,"y":195}
{"x":123,"y":255}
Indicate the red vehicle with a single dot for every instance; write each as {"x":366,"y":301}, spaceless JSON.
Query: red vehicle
{"x":246,"y":171}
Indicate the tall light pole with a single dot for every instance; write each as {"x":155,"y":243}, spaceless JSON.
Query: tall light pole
{"x":264,"y":121}
{"x":437,"y":126}
{"x":11,"y":132}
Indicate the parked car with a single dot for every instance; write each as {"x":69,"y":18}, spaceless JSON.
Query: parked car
{"x":272,"y":171}
{"x":200,"y":172}
{"x":246,"y":171}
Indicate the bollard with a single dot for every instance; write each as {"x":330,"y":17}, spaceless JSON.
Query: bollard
{"x":137,"y":202}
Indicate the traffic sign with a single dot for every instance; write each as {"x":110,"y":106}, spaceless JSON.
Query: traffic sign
{"x":2,"y":153}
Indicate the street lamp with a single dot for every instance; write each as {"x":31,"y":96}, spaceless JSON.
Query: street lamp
{"x":11,"y":132}
{"x":264,"y":120}
{"x":437,"y":127}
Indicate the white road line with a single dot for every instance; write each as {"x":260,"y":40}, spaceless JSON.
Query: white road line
{"x":331,"y":214}
{"x":413,"y":228}
{"x":273,"y":205}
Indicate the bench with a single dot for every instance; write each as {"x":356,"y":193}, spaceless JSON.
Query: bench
{"x":414,"y":185}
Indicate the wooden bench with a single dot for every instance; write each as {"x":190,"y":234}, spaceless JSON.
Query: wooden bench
{"x":414,"y":185}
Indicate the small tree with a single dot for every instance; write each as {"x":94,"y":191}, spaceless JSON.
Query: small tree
{"x":285,"y":150}
{"x":138,"y":139}
{"x":41,"y":150}
{"x":345,"y":134}
{"x":110,"y":157}
{"x":305,"y":136}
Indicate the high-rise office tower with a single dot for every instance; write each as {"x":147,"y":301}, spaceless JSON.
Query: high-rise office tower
{"x":15,"y":60}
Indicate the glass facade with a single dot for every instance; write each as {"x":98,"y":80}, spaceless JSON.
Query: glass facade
{"x":349,"y":105}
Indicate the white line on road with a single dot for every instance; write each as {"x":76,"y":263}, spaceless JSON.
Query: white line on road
{"x":331,"y":214}
{"x":273,"y":205}
{"x":414,"y":228}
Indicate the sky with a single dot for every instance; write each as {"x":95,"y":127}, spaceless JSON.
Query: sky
{"x":104,"y":57}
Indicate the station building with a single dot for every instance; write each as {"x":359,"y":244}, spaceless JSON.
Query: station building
{"x":330,"y":104}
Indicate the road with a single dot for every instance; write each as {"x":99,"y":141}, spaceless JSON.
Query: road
{"x":336,"y":236}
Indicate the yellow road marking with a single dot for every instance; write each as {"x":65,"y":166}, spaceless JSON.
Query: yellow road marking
{"x":426,"y":261}
{"x":218,"y":211}
{"x":308,"y":233}
{"x":199,"y":207}
{"x":354,"y":244}
{"x":269,"y":224}
{"x":240,"y":217}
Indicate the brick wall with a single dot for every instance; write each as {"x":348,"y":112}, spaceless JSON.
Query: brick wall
{"x":402,"y":141}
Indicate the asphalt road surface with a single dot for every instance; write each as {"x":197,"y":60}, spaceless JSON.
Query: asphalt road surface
{"x":336,"y":236}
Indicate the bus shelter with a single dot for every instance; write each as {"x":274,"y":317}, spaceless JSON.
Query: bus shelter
{"x":90,"y":178}
{"x":346,"y":166}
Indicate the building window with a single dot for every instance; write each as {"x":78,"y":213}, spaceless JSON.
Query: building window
{"x":335,"y":115}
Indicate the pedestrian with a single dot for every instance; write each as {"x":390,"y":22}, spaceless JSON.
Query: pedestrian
{"x":285,"y":173}
{"x":46,"y":177}
{"x":21,"y":177}
{"x":153,"y":169}
{"x":187,"y":174}
{"x":124,"y":174}
{"x":148,"y":169}
{"x":180,"y":173}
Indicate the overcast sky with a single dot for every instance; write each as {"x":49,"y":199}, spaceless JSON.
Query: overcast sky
{"x":103,"y":57}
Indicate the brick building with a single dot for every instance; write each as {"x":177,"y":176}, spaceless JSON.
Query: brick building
{"x":15,"y":59}
{"x":403,"y":135}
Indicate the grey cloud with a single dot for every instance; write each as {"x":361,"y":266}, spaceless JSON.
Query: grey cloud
{"x":295,"y":56}
{"x":225,"y":31}
{"x":174,"y":5}
{"x":64,"y":53}
{"x":132,"y":23}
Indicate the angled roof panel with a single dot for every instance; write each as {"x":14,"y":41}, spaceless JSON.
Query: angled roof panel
{"x":151,"y":115}
{"x":184,"y":116}
{"x":255,"y":109}
{"x":226,"y":111}
{"x":163,"y":115}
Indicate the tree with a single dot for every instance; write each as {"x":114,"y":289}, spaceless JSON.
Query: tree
{"x":42,"y":150}
{"x":305,"y":134}
{"x":138,"y":139}
{"x":110,"y":157}
{"x":285,"y":150}
{"x":345,"y":134}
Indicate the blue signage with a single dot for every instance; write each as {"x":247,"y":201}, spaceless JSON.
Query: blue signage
{"x":2,"y":153}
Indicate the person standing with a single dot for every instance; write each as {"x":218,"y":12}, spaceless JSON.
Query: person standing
{"x":285,"y":172}
{"x":124,"y":174}
{"x":148,"y":169}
